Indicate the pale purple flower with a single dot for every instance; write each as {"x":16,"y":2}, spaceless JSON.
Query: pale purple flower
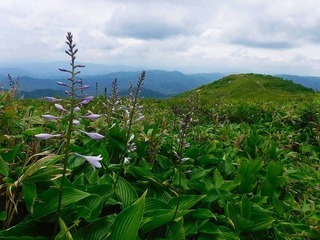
{"x":89,"y":98}
{"x":58,"y":106}
{"x":76,"y":109}
{"x":93,"y":160}
{"x":76,"y":122}
{"x":84,"y":102}
{"x":127,"y":160}
{"x":91,"y":116}
{"x":84,"y":87}
{"x":50,"y":117}
{"x":92,"y":135}
{"x":45,"y":136}
{"x":53,"y":99}
{"x":63,"y":84}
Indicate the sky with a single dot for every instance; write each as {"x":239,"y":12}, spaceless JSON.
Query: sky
{"x":270,"y":37}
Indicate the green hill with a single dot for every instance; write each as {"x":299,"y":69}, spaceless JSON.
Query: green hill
{"x":250,"y":87}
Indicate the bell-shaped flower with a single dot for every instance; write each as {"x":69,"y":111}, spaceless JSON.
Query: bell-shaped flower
{"x":93,"y":160}
{"x":53,"y":99}
{"x":83,"y":87}
{"x":63,"y":84}
{"x":84,"y":102}
{"x":76,"y":109}
{"x":91,"y":116}
{"x":59,"y":107}
{"x":75,"y":122}
{"x":92,"y":135}
{"x":45,"y":136}
{"x":50,"y":117}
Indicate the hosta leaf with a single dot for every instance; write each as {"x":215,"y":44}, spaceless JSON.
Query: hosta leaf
{"x":98,"y":229}
{"x":27,"y":230}
{"x":29,"y":192}
{"x":127,"y":223}
{"x":218,"y":179}
{"x":125,"y":192}
{"x":261,"y":222}
{"x":186,"y":201}
{"x":4,"y":168}
{"x":219,"y":232}
{"x":32,"y":131}
{"x":176,"y":230}
{"x":160,"y":217}
{"x":153,"y":204}
{"x":245,"y":207}
{"x":10,"y":155}
{"x":202,"y":213}
{"x":48,"y":201}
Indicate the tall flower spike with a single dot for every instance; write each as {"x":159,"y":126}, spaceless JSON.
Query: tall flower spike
{"x":94,"y":136}
{"x":93,"y":160}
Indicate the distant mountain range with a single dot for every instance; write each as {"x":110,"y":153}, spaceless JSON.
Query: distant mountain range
{"x":41,"y":79}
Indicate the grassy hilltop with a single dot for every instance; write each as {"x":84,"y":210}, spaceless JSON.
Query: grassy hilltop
{"x":250,"y":87}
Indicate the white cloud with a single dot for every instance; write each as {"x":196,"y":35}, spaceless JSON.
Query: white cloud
{"x":266,"y":36}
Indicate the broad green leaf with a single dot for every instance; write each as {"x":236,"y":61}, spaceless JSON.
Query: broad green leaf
{"x":98,"y":229}
{"x":4,"y":168}
{"x":10,"y":155}
{"x":32,"y":131}
{"x":176,"y":230}
{"x":127,"y":222}
{"x":27,"y":230}
{"x":245,"y":207}
{"x":160,"y":217}
{"x":261,"y":222}
{"x":218,"y":179}
{"x":48,"y":201}
{"x":202,"y":213}
{"x":29,"y":192}
{"x":186,"y":201}
{"x":208,"y":159}
{"x":125,"y":192}
{"x":219,"y":232}
{"x":152,"y":204}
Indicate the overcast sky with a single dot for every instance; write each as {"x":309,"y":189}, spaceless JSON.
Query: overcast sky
{"x":274,"y":36}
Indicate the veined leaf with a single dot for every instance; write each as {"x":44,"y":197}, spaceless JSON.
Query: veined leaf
{"x":127,"y":223}
{"x":98,"y":229}
{"x":125,"y":192}
{"x":4,"y":169}
{"x":176,"y":230}
{"x":186,"y":201}
{"x":159,"y":218}
{"x":29,"y":192}
{"x":49,"y":200}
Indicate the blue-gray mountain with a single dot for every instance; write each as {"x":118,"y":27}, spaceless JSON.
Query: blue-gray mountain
{"x":158,"y":83}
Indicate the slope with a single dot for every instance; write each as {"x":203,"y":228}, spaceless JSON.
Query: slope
{"x":250,"y":87}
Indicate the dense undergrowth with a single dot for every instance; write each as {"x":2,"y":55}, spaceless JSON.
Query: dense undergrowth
{"x":200,"y":169}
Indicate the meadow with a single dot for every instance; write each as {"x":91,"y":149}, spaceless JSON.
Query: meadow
{"x":207,"y":164}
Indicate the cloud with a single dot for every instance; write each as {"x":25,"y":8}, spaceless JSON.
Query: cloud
{"x":149,"y":21}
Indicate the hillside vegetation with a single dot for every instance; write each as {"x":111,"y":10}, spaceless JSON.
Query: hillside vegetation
{"x":251,"y":87}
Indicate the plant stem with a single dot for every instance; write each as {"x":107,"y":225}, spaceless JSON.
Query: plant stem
{"x":72,"y":51}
